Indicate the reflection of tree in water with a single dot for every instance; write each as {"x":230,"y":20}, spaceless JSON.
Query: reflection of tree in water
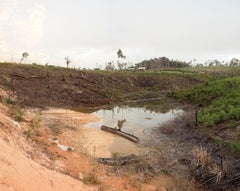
{"x":156,"y":106}
{"x":153,"y":106}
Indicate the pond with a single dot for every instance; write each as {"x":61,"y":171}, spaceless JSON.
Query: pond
{"x":139,"y":120}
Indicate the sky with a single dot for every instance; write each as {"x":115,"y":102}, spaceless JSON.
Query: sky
{"x":90,"y":32}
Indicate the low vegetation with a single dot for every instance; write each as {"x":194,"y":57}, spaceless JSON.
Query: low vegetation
{"x":220,"y":101}
{"x":217,"y":113}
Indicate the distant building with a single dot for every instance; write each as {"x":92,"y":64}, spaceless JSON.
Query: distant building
{"x":142,"y":68}
{"x":131,"y":68}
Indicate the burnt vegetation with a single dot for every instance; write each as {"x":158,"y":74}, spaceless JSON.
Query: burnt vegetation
{"x":44,"y":86}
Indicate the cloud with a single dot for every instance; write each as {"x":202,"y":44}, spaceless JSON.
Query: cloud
{"x":21,"y":26}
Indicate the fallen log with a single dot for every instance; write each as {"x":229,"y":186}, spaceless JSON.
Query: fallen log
{"x":121,"y":133}
{"x":119,"y":161}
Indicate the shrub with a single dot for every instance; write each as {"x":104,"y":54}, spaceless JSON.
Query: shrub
{"x":219,"y":141}
{"x":9,"y":101}
{"x":234,"y":146}
{"x":29,"y":134}
{"x":92,"y":178}
{"x":203,"y":158}
{"x":37,"y":121}
{"x":18,"y":115}
{"x":233,"y":124}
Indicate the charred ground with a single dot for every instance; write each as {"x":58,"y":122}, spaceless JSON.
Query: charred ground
{"x":42,"y":86}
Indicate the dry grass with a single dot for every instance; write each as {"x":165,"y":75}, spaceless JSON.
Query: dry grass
{"x":218,"y":172}
{"x":214,"y":174}
{"x":92,"y":178}
{"x":202,"y":157}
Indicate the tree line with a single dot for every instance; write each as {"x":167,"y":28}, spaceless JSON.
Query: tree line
{"x":162,"y":62}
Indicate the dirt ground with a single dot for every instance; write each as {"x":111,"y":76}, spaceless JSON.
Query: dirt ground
{"x":22,"y":164}
{"x":30,"y":151}
{"x":88,"y":144}
{"x":56,"y":150}
{"x":45,"y":86}
{"x":33,"y":156}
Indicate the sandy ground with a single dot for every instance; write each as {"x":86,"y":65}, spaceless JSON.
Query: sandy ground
{"x":18,"y":172}
{"x":88,"y":144}
{"x":92,"y":141}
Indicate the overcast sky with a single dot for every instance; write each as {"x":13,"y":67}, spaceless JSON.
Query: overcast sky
{"x":90,"y":32}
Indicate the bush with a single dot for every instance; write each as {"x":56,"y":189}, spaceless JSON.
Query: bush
{"x":234,"y":146}
{"x":18,"y":115}
{"x":219,"y":141}
{"x":9,"y":101}
{"x":92,"y":178}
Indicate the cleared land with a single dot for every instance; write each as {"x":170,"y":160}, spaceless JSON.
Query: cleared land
{"x":209,"y":148}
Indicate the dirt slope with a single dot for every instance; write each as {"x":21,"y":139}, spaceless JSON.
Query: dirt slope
{"x":40,"y":86}
{"x":18,"y":171}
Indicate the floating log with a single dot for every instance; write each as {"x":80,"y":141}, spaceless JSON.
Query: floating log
{"x":121,"y":133}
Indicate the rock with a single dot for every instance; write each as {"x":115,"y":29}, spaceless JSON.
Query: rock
{"x":80,"y":176}
{"x":16,"y":124}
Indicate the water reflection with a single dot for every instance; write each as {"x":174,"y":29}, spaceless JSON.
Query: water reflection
{"x":137,"y":118}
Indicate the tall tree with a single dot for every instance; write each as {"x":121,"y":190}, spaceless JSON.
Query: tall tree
{"x":68,"y":61}
{"x":234,"y":62}
{"x":120,"y":54}
{"x":24,"y":56}
{"x":121,"y":64}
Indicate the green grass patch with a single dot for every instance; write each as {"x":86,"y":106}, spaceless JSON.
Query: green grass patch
{"x":18,"y":115}
{"x":234,"y":146}
{"x":219,"y":141}
{"x":220,"y":98}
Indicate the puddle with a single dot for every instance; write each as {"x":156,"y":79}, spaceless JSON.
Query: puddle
{"x":138,"y":120}
{"x":98,"y":143}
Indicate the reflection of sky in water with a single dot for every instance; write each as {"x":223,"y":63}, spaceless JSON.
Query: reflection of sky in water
{"x":136,"y":118}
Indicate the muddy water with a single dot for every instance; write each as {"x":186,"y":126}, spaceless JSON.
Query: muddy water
{"x":98,"y":143}
{"x":139,"y":121}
